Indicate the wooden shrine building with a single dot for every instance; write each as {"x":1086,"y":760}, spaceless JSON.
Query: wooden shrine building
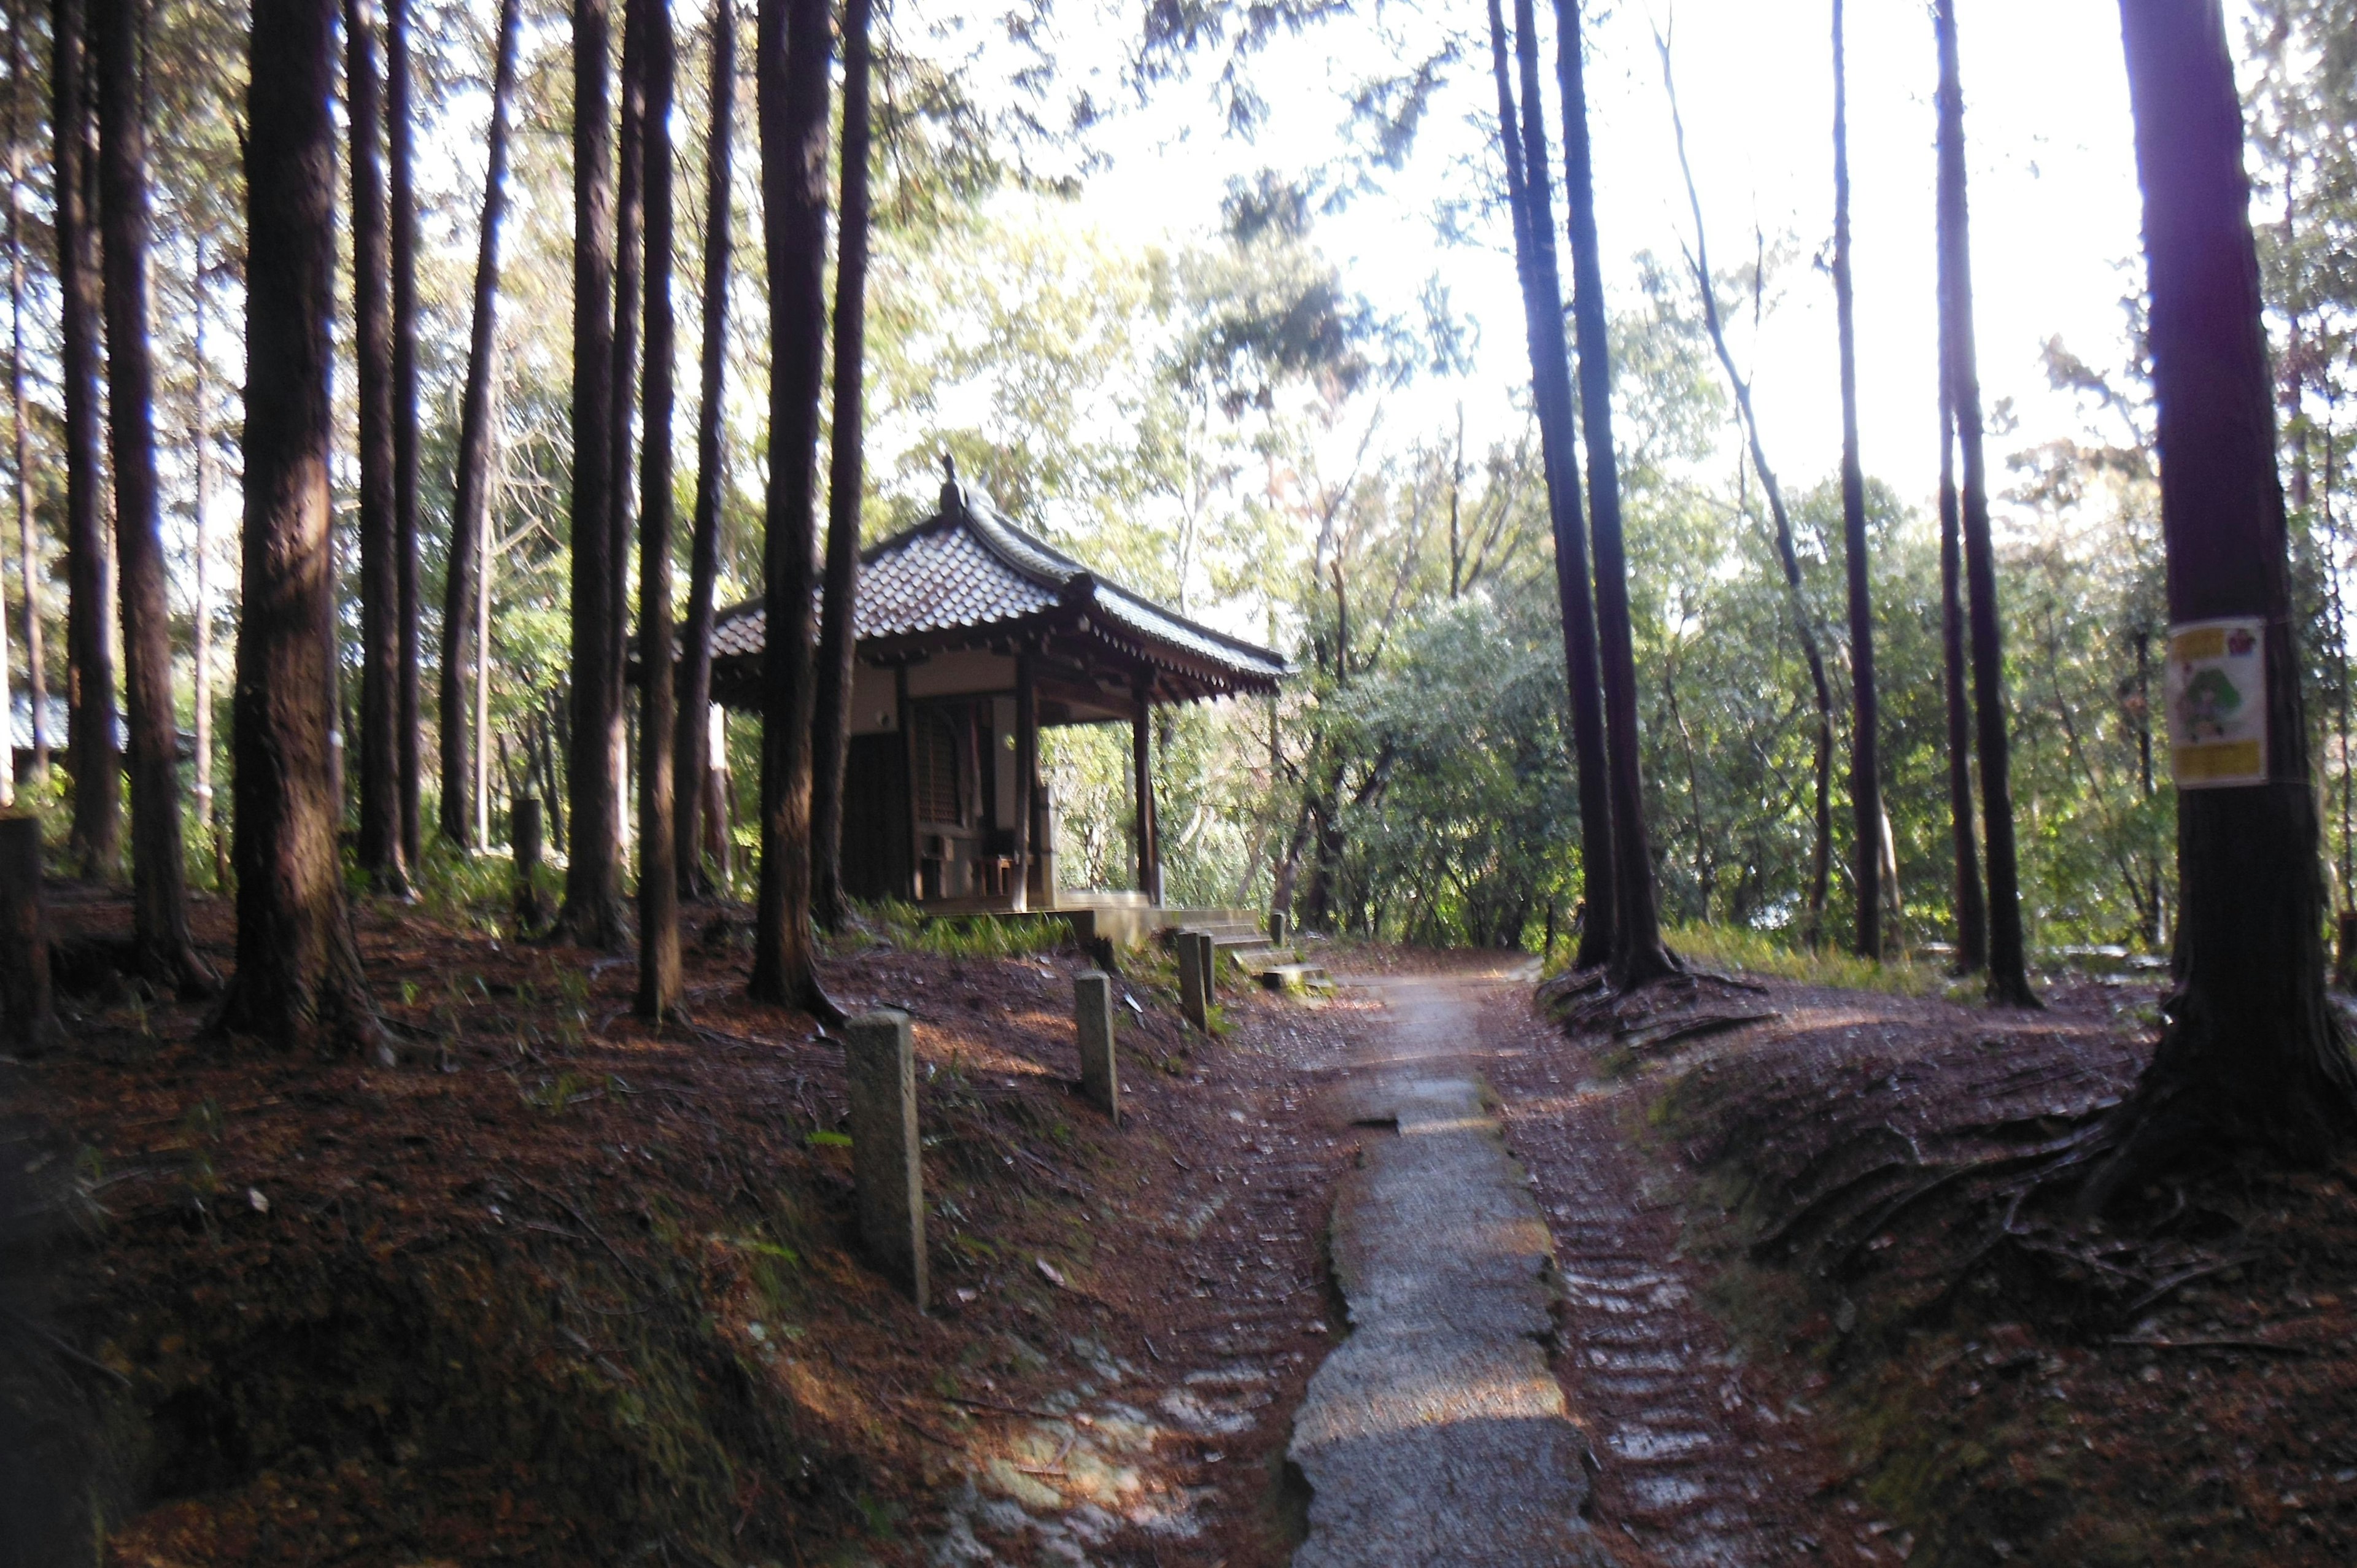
{"x":972,"y":635}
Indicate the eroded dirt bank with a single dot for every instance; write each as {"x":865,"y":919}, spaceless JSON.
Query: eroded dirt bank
{"x":1852,"y":1208}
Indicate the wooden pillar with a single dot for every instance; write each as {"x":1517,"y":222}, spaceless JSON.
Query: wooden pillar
{"x":1141,"y":754}
{"x":1027,"y":766}
{"x":901,"y":715}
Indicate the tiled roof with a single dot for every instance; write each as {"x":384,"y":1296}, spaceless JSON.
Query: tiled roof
{"x":967,"y":568}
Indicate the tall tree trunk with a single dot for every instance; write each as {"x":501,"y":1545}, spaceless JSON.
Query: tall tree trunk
{"x":1972,"y":909}
{"x":1865,"y":743}
{"x":1788,"y":559}
{"x":695,"y":752}
{"x":837,"y":638}
{"x":659,"y":984}
{"x":401,"y":137}
{"x":96,"y":762}
{"x":161,"y":949}
{"x":203,"y":617}
{"x":298,"y":983}
{"x":2252,"y":1054}
{"x":2009,"y":960}
{"x":1520,"y":131}
{"x":791,"y":77}
{"x":37,"y":682}
{"x":1638,"y":953}
{"x":593,"y":913}
{"x":471,"y":486}
{"x":629,"y":282}
{"x":380,"y":835}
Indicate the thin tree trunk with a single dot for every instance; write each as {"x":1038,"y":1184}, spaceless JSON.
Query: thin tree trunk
{"x":2009,"y":960}
{"x":470,"y":508}
{"x":380,"y":826}
{"x":1972,"y":910}
{"x":96,"y":843}
{"x":790,"y":77}
{"x":37,"y":684}
{"x":401,"y":136}
{"x":837,"y":638}
{"x":629,"y":282}
{"x":161,"y":947}
{"x":593,"y":913}
{"x":1519,"y":131}
{"x":1787,"y":557}
{"x":486,"y":567}
{"x":203,"y":617}
{"x":1864,"y":748}
{"x":694,"y":750}
{"x":298,"y":984}
{"x":1638,"y":953}
{"x":2252,"y":1054}
{"x":661,"y":988}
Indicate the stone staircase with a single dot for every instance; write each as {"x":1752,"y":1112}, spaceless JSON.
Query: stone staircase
{"x":1236,"y":935}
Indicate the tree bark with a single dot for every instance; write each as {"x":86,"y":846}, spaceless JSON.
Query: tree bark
{"x":661,"y":987}
{"x":2252,"y":1054}
{"x":298,"y":983}
{"x":694,"y":745}
{"x":837,"y":638}
{"x":36,"y":682}
{"x":1638,"y":953}
{"x":470,"y":511}
{"x":1520,"y":130}
{"x":1972,"y":910}
{"x":1865,"y":747}
{"x":791,"y":77}
{"x":96,"y":843}
{"x":380,"y":826}
{"x":630,"y":283}
{"x":2009,"y":960}
{"x":161,"y":947}
{"x":593,"y":913}
{"x":202,"y":641}
{"x":401,"y":138}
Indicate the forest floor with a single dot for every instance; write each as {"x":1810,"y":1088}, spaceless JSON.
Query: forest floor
{"x":557,"y":1287}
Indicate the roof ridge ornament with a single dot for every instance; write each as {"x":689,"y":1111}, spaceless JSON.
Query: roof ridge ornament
{"x":952,"y":498}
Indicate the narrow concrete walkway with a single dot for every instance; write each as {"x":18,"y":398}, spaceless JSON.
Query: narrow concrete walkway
{"x":1434,"y":1434}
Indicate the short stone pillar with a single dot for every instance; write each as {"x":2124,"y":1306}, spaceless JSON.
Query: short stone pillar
{"x":29,"y":1018}
{"x":1092,"y":1025}
{"x":524,"y":840}
{"x":1195,"y":978}
{"x":882,"y":1068}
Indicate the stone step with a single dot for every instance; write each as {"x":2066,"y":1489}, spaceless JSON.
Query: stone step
{"x":1296,"y":977}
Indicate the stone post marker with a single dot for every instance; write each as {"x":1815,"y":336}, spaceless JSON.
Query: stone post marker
{"x":524,"y":839}
{"x":1195,"y":978}
{"x":882,"y":1068}
{"x":30,"y":1017}
{"x":1092,"y":1022}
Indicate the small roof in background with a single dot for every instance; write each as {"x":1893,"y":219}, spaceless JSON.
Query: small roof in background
{"x":969,"y":577}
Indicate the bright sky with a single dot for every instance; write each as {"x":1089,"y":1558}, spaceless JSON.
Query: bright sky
{"x":2054,"y":206}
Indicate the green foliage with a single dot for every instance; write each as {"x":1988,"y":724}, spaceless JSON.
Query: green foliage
{"x":968,"y":936}
{"x":1745,"y":950}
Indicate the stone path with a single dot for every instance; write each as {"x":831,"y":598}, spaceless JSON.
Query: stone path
{"x":1435,"y":1433}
